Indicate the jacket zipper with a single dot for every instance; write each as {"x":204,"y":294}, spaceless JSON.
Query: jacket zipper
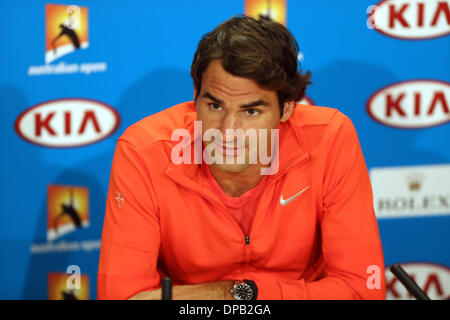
{"x":233,"y":221}
{"x":282,"y":173}
{"x":247,"y":236}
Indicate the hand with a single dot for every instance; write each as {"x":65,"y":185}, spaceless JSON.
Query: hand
{"x":220,"y":290}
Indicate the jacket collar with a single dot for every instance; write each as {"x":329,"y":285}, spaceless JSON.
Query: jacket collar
{"x":291,"y":153}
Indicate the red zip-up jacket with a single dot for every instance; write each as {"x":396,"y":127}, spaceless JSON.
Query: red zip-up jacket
{"x":164,"y":218}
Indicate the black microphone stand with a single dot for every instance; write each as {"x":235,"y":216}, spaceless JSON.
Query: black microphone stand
{"x":408,"y":282}
{"x":166,"y":289}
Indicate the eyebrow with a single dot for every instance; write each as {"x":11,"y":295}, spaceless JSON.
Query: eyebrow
{"x":253,"y":104}
{"x":256,"y":103}
{"x":211,"y":97}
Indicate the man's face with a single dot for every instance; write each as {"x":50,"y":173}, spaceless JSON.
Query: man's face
{"x":230,"y":102}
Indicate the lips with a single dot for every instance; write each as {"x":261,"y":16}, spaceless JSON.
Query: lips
{"x":229,"y":149}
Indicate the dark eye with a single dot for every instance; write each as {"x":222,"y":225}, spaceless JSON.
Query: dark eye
{"x":215,"y":106}
{"x":252,"y":112}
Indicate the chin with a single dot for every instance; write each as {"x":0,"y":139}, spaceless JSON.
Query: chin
{"x":232,"y":168}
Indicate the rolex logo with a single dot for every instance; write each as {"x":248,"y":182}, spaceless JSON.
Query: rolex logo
{"x":411,"y":191}
{"x":415,"y":181}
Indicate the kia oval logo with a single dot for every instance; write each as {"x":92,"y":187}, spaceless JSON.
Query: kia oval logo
{"x":67,"y":122}
{"x":411,"y":20}
{"x":432,"y":278}
{"x":411,"y":104}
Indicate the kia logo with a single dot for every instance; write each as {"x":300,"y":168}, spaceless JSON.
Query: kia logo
{"x":411,"y":20}
{"x":433,"y":279}
{"x":411,"y":104}
{"x":67,"y":122}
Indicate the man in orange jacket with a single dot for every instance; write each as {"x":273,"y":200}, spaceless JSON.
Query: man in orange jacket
{"x":220,"y":219}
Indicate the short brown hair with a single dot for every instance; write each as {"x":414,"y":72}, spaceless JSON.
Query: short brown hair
{"x":262,"y":50}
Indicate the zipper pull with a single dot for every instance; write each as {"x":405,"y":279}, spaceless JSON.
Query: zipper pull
{"x":247,"y":239}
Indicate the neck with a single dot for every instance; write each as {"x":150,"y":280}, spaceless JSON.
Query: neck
{"x":236,"y":184}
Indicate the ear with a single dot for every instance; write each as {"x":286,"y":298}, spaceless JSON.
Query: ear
{"x":195,"y":93}
{"x":288,"y":108}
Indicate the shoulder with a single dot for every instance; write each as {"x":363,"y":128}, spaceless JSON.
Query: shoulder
{"x":317,"y":124}
{"x":159,"y":126}
{"x":309,"y":115}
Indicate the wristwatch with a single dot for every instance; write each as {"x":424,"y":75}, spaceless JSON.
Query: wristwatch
{"x":244,"y":290}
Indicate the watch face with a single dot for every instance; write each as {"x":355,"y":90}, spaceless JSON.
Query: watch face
{"x":243,"y":292}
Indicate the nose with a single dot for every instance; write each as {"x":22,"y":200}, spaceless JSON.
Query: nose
{"x":230,"y":121}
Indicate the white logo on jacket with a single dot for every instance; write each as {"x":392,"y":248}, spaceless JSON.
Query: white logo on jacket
{"x":284,"y":202}
{"x":119,"y":199}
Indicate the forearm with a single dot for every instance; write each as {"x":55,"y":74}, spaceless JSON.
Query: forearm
{"x":220,"y":290}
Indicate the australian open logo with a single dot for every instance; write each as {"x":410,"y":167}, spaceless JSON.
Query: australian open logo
{"x":66,"y":32}
{"x":67,"y":210}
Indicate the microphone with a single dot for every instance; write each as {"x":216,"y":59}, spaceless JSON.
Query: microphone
{"x":408,"y":282}
{"x":166,"y":289}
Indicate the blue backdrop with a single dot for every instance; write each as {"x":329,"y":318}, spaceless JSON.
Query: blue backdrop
{"x":141,"y":52}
